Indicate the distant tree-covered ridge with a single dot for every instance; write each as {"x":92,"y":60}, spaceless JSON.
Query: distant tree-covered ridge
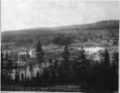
{"x":99,"y":31}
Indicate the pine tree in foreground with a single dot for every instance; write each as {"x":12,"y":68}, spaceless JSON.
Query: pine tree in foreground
{"x":66,"y":55}
{"x":39,"y":52}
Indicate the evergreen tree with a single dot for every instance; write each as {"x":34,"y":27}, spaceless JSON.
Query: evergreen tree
{"x":56,"y":64}
{"x":39,"y":52}
{"x":105,"y":63}
{"x":115,"y":64}
{"x":17,"y":78}
{"x":45,"y":76}
{"x":2,"y":59}
{"x":6,"y":56}
{"x":105,"y":58}
{"x":115,"y":57}
{"x":81,"y":65}
{"x":105,"y":73}
{"x":31,"y":68}
{"x":38,"y":76}
{"x":22,"y":76}
{"x":22,"y":79}
{"x":55,"y":68}
{"x":81,"y":55}
{"x":81,"y":59}
{"x":9,"y":61}
{"x":10,"y":64}
{"x":115,"y":61}
{"x":66,"y":56}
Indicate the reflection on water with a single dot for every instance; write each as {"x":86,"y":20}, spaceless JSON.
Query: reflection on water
{"x":28,"y":71}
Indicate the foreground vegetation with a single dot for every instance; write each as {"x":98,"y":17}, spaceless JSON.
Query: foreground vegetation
{"x":77,"y":71}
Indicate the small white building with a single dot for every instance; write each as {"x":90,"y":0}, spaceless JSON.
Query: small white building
{"x":32,"y":53}
{"x":93,"y":52}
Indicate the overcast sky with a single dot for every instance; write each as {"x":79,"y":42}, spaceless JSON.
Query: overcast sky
{"x":22,"y":14}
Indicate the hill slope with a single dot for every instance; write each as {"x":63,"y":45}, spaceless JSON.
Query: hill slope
{"x":20,"y":37}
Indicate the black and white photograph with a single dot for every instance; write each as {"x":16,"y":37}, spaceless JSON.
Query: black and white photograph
{"x":60,"y":46}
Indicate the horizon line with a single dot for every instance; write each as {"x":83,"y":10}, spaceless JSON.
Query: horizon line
{"x":50,"y":27}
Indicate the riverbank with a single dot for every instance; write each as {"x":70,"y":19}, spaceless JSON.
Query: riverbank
{"x":56,"y":88}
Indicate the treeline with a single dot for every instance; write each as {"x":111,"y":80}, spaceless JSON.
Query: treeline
{"x":28,"y":39}
{"x":86,"y":73}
